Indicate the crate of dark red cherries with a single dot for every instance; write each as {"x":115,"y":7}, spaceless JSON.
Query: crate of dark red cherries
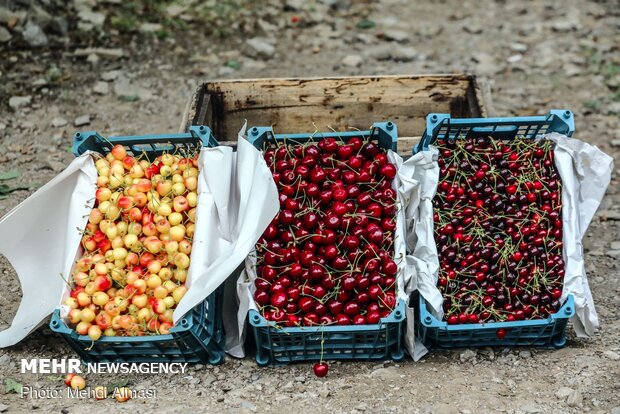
{"x":326,"y":273}
{"x":497,"y":220}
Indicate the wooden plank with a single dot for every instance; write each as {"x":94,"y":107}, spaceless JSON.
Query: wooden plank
{"x":302,"y":105}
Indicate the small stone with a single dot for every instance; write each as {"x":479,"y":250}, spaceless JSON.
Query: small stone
{"x":95,"y":18}
{"x":467,"y":355}
{"x":110,"y":75}
{"x":248,"y":406}
{"x":525,"y":354}
{"x":103,"y":52}
{"x":531,"y":408}
{"x":294,"y":5}
{"x":81,"y":121}
{"x":150,"y":27}
{"x":615,"y":410}
{"x":404,"y":54}
{"x":613,"y":253}
{"x":3,"y":408}
{"x":323,"y":392}
{"x":300,"y":378}
{"x":352,"y":61}
{"x":17,"y":102}
{"x":465,"y":411}
{"x":563,"y":393}
{"x":93,"y":59}
{"x":362,"y":407}
{"x":615,"y":245}
{"x":260,"y":47}
{"x":34,"y":35}
{"x":220,"y":398}
{"x":396,"y":36}
{"x":574,"y":399}
{"x":612,"y":355}
{"x":175,"y":10}
{"x":518,"y":47}
{"x":5,"y":35}
{"x":514,"y":58}
{"x":378,"y":52}
{"x":609,"y":214}
{"x":101,"y":88}
{"x":59,"y":122}
{"x":5,"y":359}
{"x":2,"y":126}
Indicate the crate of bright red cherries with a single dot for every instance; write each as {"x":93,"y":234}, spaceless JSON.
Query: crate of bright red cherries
{"x":497,"y":218}
{"x":325,"y":277}
{"x":132,"y":266}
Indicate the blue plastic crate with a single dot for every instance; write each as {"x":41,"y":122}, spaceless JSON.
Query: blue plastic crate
{"x":385,"y":133}
{"x":150,"y":145}
{"x":442,"y":126}
{"x":547,"y":333}
{"x":276,"y":345}
{"x":199,"y":336}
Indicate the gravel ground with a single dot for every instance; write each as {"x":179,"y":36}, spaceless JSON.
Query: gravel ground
{"x":537,"y":55}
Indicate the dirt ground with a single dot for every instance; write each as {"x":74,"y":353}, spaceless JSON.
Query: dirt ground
{"x":537,"y":55}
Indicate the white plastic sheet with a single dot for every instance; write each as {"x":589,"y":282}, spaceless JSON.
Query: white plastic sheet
{"x":585,"y":172}
{"x":237,"y":200}
{"x":406,"y":189}
{"x":40,"y":239}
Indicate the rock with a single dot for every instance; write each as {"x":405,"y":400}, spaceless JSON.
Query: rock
{"x":125,"y":91}
{"x":574,"y":399}
{"x":17,"y":102}
{"x":34,"y":36}
{"x":399,"y":36}
{"x":565,"y":25}
{"x":150,"y":27}
{"x":385,"y":373}
{"x":615,"y":143}
{"x":563,"y":393}
{"x":59,"y":122}
{"x":514,"y":58}
{"x":101,"y":88}
{"x":95,"y":18}
{"x":531,"y":408}
{"x":613,"y":253}
{"x":378,"y":52}
{"x":613,"y":108}
{"x":110,"y":75}
{"x":615,"y":410}
{"x":518,"y":47}
{"x":5,"y":35}
{"x":174,"y":10}
{"x":260,"y":47}
{"x":5,"y":359}
{"x":294,"y":5}
{"x":612,"y":355}
{"x":81,"y":120}
{"x":248,"y":406}
{"x":300,"y":378}
{"x":609,"y":214}
{"x":93,"y":59}
{"x":404,"y":54}
{"x":615,"y":245}
{"x":352,"y":61}
{"x":3,"y":408}
{"x":361,"y":407}
{"x":467,"y":355}
{"x":59,"y":26}
{"x":525,"y":354}
{"x":107,"y":53}
{"x":2,"y":126}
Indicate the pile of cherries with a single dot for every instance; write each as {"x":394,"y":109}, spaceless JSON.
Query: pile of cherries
{"x":498,"y":229}
{"x":328,"y":256}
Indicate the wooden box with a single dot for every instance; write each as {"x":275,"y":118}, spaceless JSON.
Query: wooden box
{"x":323,"y":104}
